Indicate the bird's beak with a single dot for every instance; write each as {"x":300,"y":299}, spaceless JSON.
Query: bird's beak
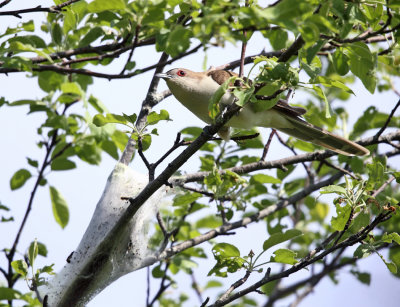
{"x":164,"y":76}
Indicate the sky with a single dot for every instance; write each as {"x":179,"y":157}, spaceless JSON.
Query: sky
{"x":83,"y":186}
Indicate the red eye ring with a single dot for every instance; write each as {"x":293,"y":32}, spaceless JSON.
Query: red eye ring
{"x":181,"y":73}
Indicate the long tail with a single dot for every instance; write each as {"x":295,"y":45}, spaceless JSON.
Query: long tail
{"x":313,"y":134}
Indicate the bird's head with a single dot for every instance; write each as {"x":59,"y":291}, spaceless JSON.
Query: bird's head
{"x":182,"y":79}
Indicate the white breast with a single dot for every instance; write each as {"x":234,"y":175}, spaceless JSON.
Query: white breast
{"x":195,"y":95}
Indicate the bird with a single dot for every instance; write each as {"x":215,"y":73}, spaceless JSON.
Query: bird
{"x":195,"y":89}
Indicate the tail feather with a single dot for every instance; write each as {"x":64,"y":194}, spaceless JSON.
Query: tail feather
{"x":313,"y":134}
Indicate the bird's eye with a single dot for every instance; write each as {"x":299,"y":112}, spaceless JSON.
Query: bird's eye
{"x":181,"y":73}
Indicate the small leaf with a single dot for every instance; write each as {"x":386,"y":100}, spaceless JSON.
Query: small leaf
{"x":363,"y":251}
{"x":333,"y":189}
{"x":213,"y":106}
{"x":153,"y":118}
{"x":389,"y":238}
{"x":98,"y":6}
{"x":333,"y":83}
{"x":284,"y":256}
{"x":61,"y":164}
{"x":19,"y":178}
{"x":390,"y":265}
{"x":262,"y":178}
{"x":281,"y":237}
{"x":320,"y":93}
{"x":33,"y":252}
{"x":243,"y":95}
{"x":365,"y":278}
{"x":60,"y":207}
{"x":99,"y":120}
{"x":130,"y":118}
{"x":343,"y":213}
{"x":9,"y":294}
{"x":21,"y":267}
{"x":186,"y":199}
{"x":33,"y":163}
{"x":226,"y":250}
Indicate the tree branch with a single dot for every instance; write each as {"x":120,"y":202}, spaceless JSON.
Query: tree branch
{"x":39,"y":8}
{"x":259,"y":165}
{"x":248,"y":220}
{"x":356,"y":238}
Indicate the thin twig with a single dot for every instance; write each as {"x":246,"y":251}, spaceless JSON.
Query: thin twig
{"x":135,"y":41}
{"x":279,"y":163}
{"x":307,"y":168}
{"x":266,"y":147}
{"x":235,"y":285}
{"x":339,"y":168}
{"x":4,"y":3}
{"x":379,"y":133}
{"x":383,"y":186}
{"x":39,"y":8}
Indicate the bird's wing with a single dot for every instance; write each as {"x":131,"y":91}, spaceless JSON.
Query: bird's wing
{"x":299,"y":128}
{"x":220,"y":76}
{"x":313,"y":134}
{"x":283,"y":107}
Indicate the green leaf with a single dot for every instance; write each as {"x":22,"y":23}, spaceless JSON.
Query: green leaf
{"x":186,"y":199}
{"x":333,"y":189}
{"x":363,"y":251}
{"x":110,"y":148}
{"x":153,"y":118}
{"x":213,"y":284}
{"x":98,"y":6}
{"x":9,"y":294}
{"x":392,"y":267}
{"x":263,"y":178}
{"x":56,"y":33}
{"x":178,"y":41}
{"x":389,"y":238}
{"x":211,"y":221}
{"x":243,"y":95}
{"x":284,"y":256}
{"x":343,"y":213}
{"x":33,"y":163}
{"x":97,"y":104}
{"x":28,"y":26}
{"x":363,"y":64}
{"x":99,"y":120}
{"x":157,"y":272}
{"x":47,"y":269}
{"x":213,"y":106}
{"x":42,"y":249}
{"x":21,"y":267}
{"x":33,"y":252}
{"x":228,"y":258}
{"x":320,"y":93}
{"x":226,"y":250}
{"x":130,"y":118}
{"x":89,"y":152}
{"x":62,"y":164}
{"x":72,"y":88}
{"x":328,"y":82}
{"x":60,"y":207}
{"x":31,"y":40}
{"x":341,"y":62}
{"x":278,"y":238}
{"x":19,"y":178}
{"x":365,"y":278}
{"x":50,"y":81}
{"x":278,"y":39}
{"x":91,"y":36}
